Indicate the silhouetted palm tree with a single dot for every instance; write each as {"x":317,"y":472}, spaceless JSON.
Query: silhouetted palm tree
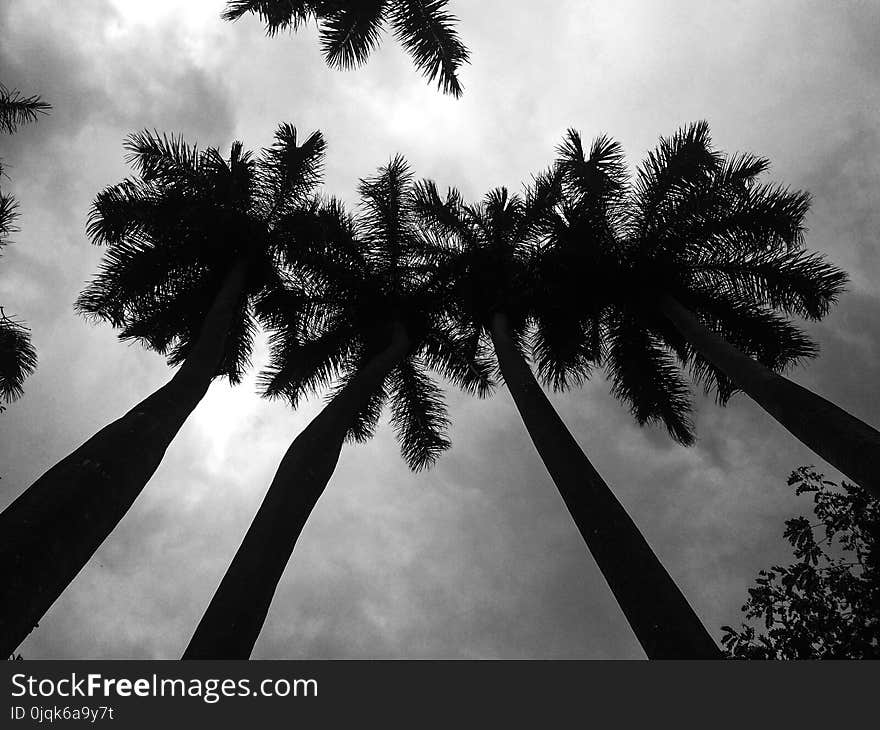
{"x":191,"y":243}
{"x":505,"y":276}
{"x":374,"y":328}
{"x":350,"y":31}
{"x":711,"y":264}
{"x":18,"y":359}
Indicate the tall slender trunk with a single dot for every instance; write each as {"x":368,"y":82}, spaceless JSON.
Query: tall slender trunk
{"x":51,"y":530}
{"x":845,"y":442}
{"x":235,"y":616}
{"x":663,"y":621}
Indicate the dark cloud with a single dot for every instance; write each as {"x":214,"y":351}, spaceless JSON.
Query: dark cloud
{"x":98,"y":83}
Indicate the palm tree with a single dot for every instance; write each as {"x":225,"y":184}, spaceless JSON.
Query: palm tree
{"x":191,"y":244}
{"x":18,"y":359}
{"x":505,"y":278}
{"x":374,"y":328}
{"x":350,"y":31}
{"x":711,"y":264}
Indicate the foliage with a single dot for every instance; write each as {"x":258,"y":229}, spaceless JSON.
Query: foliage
{"x":489,"y":253}
{"x":697,"y":225}
{"x":18,"y":359}
{"x":354,"y":277}
{"x":825,"y":605}
{"x":580,"y":260}
{"x":16,"y":109}
{"x":174,"y":233}
{"x":350,"y":31}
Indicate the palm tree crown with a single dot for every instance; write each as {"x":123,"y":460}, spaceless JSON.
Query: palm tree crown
{"x":357,"y":276}
{"x":699,"y":226}
{"x":494,"y":255}
{"x":350,"y":31}
{"x":175,"y":232}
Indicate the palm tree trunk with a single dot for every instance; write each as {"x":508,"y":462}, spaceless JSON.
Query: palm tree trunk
{"x":51,"y":531}
{"x":845,"y":442}
{"x":663,"y":621}
{"x":235,"y":616}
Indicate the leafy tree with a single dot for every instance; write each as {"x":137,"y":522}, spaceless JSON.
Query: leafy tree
{"x":375,"y":326}
{"x":191,"y":245}
{"x":825,"y":605}
{"x":707,"y":265}
{"x":505,"y":270}
{"x":18,"y":359}
{"x":350,"y":31}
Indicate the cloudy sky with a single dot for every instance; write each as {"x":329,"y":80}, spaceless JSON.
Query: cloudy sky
{"x":478,"y":557}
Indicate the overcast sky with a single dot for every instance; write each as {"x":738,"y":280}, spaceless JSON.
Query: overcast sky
{"x":477,"y":558}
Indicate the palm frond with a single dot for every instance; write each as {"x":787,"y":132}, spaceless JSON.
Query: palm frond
{"x":741,"y":169}
{"x":595,"y":177}
{"x":565,"y":346}
{"x":542,"y":201}
{"x":767,"y":337}
{"x":460,"y":356}
{"x":164,"y":159}
{"x":712,"y":216}
{"x":301,"y":365}
{"x":288,"y":171}
{"x":318,"y":243}
{"x":276,"y":14}
{"x":8,"y":214}
{"x":427,"y":31}
{"x":675,"y":165}
{"x":384,"y":220}
{"x":442,"y":216}
{"x":17,"y":109}
{"x":110,"y":217}
{"x":644,"y":375}
{"x":131,"y":277}
{"x":18,"y":359}
{"x":132,"y":209}
{"x":793,"y":282}
{"x":350,"y":31}
{"x":501,"y":218}
{"x":418,"y":415}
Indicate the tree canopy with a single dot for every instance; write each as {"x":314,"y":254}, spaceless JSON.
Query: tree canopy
{"x":699,"y":225}
{"x":353,"y":277}
{"x":826,"y":604}
{"x":173,"y":233}
{"x":351,"y":31}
